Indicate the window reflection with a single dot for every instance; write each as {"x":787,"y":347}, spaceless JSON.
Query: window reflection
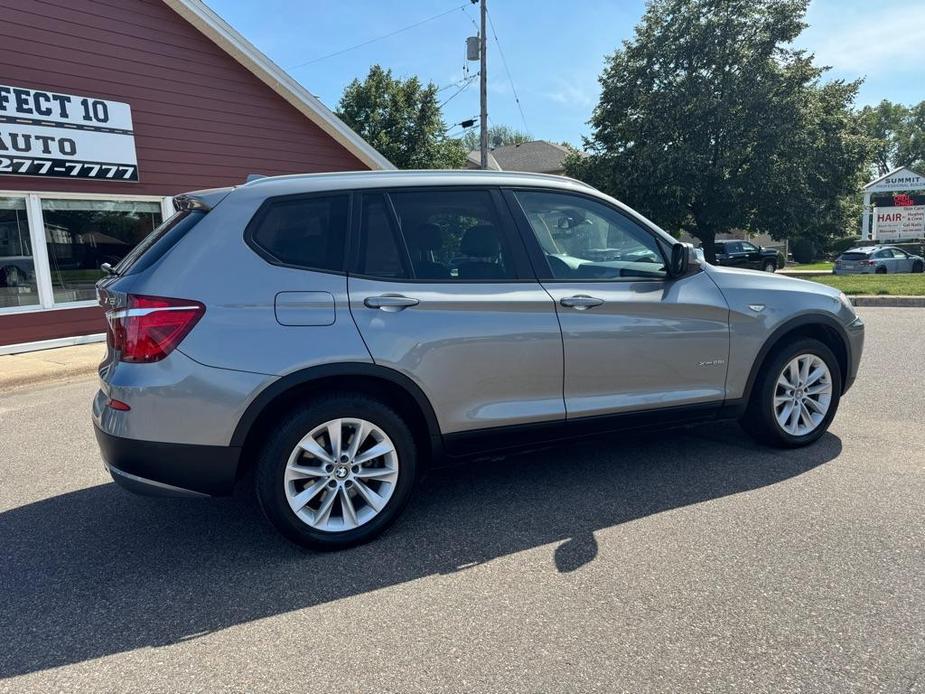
{"x":83,"y":234}
{"x":17,"y":269}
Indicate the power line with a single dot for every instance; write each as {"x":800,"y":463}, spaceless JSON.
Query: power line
{"x":520,"y":108}
{"x":463,"y":88}
{"x":378,"y":38}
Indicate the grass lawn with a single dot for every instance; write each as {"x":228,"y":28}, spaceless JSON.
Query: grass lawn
{"x":904,"y":284}
{"x":811,"y":266}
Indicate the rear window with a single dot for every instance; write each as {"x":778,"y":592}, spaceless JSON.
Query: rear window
{"x":158,"y":242}
{"x":853,"y":256}
{"x":305,"y":232}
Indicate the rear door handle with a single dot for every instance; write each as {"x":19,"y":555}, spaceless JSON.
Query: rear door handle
{"x":581,"y":302}
{"x":390,"y":302}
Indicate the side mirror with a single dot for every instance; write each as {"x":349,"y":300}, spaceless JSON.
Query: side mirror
{"x":680,"y":260}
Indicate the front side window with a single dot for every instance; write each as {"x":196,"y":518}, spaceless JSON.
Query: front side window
{"x":17,"y":270}
{"x":586,"y":240}
{"x":83,"y":234}
{"x":748,"y":247}
{"x":453,"y":235}
{"x":306,"y":232}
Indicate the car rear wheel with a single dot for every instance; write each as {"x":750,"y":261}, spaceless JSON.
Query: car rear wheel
{"x":795,"y":396}
{"x":918,"y":266}
{"x":337,"y":473}
{"x":880,"y":270}
{"x":769,"y":266}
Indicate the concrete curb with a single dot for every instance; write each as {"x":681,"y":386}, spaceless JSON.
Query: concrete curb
{"x":889,"y":301}
{"x":63,"y":364}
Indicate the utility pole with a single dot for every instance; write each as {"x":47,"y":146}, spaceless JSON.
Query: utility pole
{"x":483,"y":89}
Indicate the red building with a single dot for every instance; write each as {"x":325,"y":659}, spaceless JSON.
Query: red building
{"x":107,"y":109}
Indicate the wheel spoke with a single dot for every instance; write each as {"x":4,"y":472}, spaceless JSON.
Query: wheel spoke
{"x":334,"y":434}
{"x":323,"y":514}
{"x":298,"y":501}
{"x":805,"y":363}
{"x":819,"y":389}
{"x":815,"y":405}
{"x":359,"y":436}
{"x":814,"y":376}
{"x":377,"y":473}
{"x":312,"y":447}
{"x":781,"y":399}
{"x":794,"y":375}
{"x":296,"y":472}
{"x":805,"y":417}
{"x":784,"y":416}
{"x":372,"y":498}
{"x":794,"y":420}
{"x":346,"y":504}
{"x":380,"y":449}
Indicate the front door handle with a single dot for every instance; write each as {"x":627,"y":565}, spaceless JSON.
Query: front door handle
{"x":390,"y":302}
{"x":581,"y":302}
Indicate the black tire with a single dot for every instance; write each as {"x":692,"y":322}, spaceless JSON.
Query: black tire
{"x":759,"y":420}
{"x":918,"y":266}
{"x":274,"y":456}
{"x":880,"y":270}
{"x":769,"y":266}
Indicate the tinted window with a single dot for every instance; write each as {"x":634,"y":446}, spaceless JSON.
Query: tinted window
{"x":379,"y":252}
{"x":750,"y":248}
{"x":852,"y":255}
{"x":308,"y":232}
{"x":453,"y":235}
{"x":585,"y":239}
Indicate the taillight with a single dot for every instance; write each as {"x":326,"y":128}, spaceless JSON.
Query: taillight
{"x":150,"y":327}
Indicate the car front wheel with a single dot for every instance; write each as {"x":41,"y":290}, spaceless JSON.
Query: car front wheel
{"x":795,"y":395}
{"x":337,"y":473}
{"x":769,"y":266}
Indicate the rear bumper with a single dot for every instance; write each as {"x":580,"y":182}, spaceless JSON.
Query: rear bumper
{"x":169,"y":469}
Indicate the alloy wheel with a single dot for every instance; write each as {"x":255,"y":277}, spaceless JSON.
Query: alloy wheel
{"x":341,"y":475}
{"x":802,"y":394}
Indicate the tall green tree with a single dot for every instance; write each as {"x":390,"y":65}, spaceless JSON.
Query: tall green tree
{"x":498,"y":136}
{"x":898,"y":133}
{"x":401,"y":119}
{"x":709,"y":121}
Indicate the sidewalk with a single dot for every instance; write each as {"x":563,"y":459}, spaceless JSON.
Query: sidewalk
{"x":62,"y":364}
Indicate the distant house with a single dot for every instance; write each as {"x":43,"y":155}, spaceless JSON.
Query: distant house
{"x":538,"y":156}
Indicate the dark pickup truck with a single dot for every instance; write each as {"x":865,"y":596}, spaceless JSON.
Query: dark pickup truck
{"x":732,"y":253}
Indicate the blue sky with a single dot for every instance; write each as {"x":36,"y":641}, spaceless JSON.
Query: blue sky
{"x":555,"y":50}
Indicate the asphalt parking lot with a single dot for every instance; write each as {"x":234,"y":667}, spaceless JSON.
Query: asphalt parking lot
{"x":685,"y":561}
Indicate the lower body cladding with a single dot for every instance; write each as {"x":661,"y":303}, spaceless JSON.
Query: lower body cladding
{"x":169,"y":469}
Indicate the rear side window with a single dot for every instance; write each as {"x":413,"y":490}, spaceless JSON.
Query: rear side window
{"x":153,"y":246}
{"x":305,"y":232}
{"x":453,"y":235}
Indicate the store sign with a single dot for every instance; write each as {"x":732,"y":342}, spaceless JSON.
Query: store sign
{"x":895,"y":223}
{"x":899,"y":180}
{"x":63,"y":135}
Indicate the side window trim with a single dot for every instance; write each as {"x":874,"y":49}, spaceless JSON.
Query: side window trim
{"x":535,"y":251}
{"x":511,"y":236}
{"x":266,"y":205}
{"x":358,"y":238}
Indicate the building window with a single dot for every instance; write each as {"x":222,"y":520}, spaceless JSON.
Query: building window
{"x":83,"y":234}
{"x":17,"y":270}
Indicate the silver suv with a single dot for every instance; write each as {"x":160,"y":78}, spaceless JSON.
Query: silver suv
{"x":337,"y":333}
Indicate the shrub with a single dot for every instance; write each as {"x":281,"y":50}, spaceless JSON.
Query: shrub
{"x":803,"y":250}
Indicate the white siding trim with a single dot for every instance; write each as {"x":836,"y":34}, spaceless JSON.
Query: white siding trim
{"x":52,"y":344}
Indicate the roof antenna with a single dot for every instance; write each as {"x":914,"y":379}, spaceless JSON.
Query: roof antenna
{"x":254,"y":177}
